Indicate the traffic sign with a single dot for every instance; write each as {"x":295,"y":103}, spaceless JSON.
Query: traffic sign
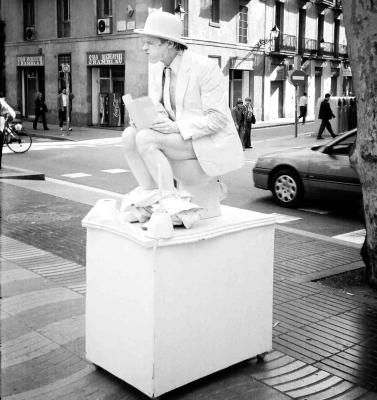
{"x":297,"y":77}
{"x":66,"y":67}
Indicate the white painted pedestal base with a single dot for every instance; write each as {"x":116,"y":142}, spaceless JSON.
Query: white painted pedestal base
{"x":160,"y":315}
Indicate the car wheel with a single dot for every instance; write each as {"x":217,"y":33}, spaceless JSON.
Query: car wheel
{"x":286,"y":187}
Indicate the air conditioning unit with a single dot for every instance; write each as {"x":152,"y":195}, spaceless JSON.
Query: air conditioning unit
{"x":30,"y":33}
{"x":103,"y":26}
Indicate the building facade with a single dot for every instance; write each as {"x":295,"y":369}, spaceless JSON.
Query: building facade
{"x":90,"y":46}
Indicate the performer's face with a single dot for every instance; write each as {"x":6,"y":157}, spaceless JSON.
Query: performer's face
{"x":155,"y":49}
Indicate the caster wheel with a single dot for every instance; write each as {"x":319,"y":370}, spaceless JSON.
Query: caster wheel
{"x":260,"y":358}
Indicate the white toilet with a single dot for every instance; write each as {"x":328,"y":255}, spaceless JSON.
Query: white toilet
{"x":207,"y":191}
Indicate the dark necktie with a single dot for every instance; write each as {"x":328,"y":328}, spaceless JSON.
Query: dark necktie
{"x":166,"y":93}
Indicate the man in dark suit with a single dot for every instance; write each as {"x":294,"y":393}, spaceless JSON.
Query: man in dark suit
{"x":238,"y":114}
{"x":325,"y":114}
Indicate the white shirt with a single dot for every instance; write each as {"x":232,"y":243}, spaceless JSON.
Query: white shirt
{"x":303,"y":101}
{"x":64,"y":99}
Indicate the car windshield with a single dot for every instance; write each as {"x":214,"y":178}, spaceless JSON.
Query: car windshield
{"x":343,"y":146}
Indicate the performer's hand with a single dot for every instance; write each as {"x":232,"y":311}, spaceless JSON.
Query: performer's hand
{"x":165,"y":126}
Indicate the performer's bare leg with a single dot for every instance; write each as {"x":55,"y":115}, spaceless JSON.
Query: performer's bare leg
{"x":156,"y":149}
{"x":134,"y":160}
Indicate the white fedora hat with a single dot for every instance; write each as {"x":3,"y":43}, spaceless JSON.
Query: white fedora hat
{"x":163,"y":25}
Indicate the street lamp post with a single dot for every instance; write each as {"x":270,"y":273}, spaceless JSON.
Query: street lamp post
{"x":274,"y":33}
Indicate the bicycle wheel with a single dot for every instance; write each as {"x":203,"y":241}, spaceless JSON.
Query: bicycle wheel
{"x":18,"y":143}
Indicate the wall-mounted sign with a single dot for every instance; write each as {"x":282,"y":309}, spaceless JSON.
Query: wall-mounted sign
{"x":131,"y":25}
{"x":121,"y":25}
{"x":30,"y":61}
{"x":246,"y":64}
{"x":346,"y":72}
{"x":105,"y":58}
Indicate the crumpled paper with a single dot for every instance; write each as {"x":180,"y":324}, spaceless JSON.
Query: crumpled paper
{"x":139,"y":205}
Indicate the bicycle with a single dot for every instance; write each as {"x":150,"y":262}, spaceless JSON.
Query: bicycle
{"x":15,"y":137}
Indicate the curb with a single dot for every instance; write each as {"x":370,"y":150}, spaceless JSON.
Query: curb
{"x":19,"y":173}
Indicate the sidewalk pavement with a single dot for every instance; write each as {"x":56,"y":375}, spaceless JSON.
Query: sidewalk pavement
{"x":77,"y":133}
{"x":95,"y":132}
{"x":324,"y":340}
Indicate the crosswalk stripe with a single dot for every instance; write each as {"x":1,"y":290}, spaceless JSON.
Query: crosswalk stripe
{"x":353,"y":237}
{"x":115,"y":170}
{"x":76,"y":175}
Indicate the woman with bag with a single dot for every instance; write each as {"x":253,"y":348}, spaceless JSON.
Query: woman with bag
{"x":249,"y":120}
{"x":40,"y":110}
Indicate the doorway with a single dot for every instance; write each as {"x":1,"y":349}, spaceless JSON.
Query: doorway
{"x":107,"y":91}
{"x":32,"y":82}
{"x":276,"y":99}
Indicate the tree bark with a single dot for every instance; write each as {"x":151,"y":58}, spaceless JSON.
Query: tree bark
{"x":360,"y":20}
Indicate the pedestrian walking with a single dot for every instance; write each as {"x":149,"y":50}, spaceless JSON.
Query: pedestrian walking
{"x":249,"y":120}
{"x":40,"y":111}
{"x":6,"y":111}
{"x":325,"y":114}
{"x":63,"y":98}
{"x":303,"y":103}
{"x":238,"y":115}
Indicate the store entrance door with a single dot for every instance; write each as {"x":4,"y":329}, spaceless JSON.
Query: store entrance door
{"x":111,"y":90}
{"x":276,"y":110}
{"x":33,"y":83}
{"x":31,"y":90}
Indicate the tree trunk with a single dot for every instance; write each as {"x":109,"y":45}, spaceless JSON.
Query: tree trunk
{"x":360,"y":20}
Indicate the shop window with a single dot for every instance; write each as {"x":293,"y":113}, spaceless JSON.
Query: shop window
{"x":104,"y":8}
{"x":301,"y":30}
{"x":62,"y":83}
{"x":63,"y":8}
{"x":279,"y":22}
{"x":29,"y":19}
{"x":235,"y":86}
{"x":242,"y":24}
{"x":215,"y":12}
{"x":320,"y":29}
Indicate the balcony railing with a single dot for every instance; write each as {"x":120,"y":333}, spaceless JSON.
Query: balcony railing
{"x":310,"y":45}
{"x":289,"y":43}
{"x":330,"y":3}
{"x":328,"y":48}
{"x":343,"y":50}
{"x":285,"y":43}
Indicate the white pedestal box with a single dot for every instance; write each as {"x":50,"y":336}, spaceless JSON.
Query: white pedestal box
{"x":161,"y":314}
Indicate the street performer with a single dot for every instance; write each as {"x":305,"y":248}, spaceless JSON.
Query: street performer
{"x":194,"y":121}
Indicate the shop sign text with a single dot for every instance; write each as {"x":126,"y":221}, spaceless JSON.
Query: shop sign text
{"x":30,"y":61}
{"x":108,"y":58}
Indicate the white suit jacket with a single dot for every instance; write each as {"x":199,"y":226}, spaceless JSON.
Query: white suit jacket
{"x":202,"y":112}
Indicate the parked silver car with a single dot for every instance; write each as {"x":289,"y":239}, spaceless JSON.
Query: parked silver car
{"x":292,"y":174}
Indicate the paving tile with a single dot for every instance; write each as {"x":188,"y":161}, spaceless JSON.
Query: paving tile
{"x":26,"y":301}
{"x":41,"y":316}
{"x":19,"y":287}
{"x":47,"y":391}
{"x":65,"y":330}
{"x":334,"y":392}
{"x":309,"y":389}
{"x":25,"y":348}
